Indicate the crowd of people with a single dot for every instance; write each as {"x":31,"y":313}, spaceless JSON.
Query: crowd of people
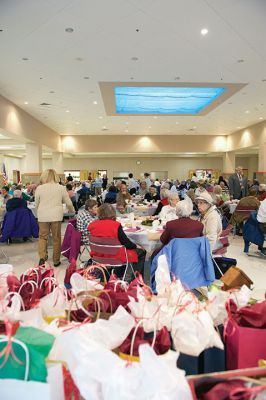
{"x":96,"y":199}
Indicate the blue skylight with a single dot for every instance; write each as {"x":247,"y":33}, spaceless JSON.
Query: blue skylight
{"x":164,"y":100}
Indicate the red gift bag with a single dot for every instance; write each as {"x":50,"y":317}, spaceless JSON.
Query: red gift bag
{"x":244,"y":346}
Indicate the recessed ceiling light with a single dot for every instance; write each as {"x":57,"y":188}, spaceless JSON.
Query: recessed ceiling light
{"x":104,"y":127}
{"x":155,"y":117}
{"x":86,"y":77}
{"x":149,"y":127}
{"x":67,"y":111}
{"x":260,"y":117}
{"x":25,"y":59}
{"x":204,"y":31}
{"x":69,"y":30}
{"x":77,"y":123}
{"x":239,"y":127}
{"x":26,"y":102}
{"x":177,"y":122}
{"x":134,"y":58}
{"x":194,"y":127}
{"x":247,"y":112}
{"x":126,"y":130}
{"x":95,"y":102}
{"x":126,"y":122}
{"x":100,"y":117}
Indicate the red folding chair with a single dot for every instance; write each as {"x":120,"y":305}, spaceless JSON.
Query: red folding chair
{"x":103,"y":251}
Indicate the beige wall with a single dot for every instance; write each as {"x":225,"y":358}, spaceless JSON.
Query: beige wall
{"x":19,"y":123}
{"x":143,"y":144}
{"x":176,"y":167}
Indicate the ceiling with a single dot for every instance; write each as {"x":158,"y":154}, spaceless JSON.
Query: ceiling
{"x":131,"y":41}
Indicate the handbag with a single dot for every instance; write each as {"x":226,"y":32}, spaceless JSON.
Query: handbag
{"x":235,"y":278}
{"x":224,"y":263}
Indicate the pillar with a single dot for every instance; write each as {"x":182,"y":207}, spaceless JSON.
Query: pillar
{"x":261,"y":174}
{"x":229,"y":159}
{"x":58,"y":162}
{"x":33,"y":158}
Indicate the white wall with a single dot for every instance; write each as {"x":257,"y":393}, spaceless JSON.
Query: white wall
{"x":12,"y":164}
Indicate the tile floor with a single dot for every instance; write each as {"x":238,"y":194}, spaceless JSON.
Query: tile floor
{"x":25,"y":255}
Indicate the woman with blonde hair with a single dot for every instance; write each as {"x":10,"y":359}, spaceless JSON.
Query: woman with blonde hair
{"x":49,"y":199}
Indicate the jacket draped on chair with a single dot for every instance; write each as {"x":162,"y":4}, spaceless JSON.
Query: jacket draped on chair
{"x":19,"y":223}
{"x":189,"y":260}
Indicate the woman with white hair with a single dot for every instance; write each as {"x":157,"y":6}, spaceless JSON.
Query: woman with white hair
{"x":183,"y":226}
{"x":210,"y":218}
{"x":164,"y":193}
{"x":16,"y":202}
{"x":168,"y":212}
{"x":49,"y":199}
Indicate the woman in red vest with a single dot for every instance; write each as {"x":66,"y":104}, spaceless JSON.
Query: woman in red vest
{"x":107,"y":226}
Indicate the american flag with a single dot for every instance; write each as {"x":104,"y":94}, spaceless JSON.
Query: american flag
{"x":4,"y":174}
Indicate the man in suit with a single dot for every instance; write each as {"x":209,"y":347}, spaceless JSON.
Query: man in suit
{"x":238,"y":184}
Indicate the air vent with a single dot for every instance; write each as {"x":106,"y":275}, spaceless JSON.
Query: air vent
{"x":45,"y":104}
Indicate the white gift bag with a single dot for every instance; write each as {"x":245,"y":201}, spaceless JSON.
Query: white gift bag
{"x":193,"y":333}
{"x":81,"y":284}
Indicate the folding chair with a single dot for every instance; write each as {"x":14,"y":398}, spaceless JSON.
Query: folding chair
{"x":103,"y":251}
{"x":224,"y":240}
{"x":244,"y":213}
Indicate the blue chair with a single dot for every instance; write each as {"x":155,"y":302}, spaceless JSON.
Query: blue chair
{"x":19,"y":223}
{"x":189,"y":260}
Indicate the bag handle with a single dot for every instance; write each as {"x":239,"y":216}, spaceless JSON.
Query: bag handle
{"x":19,"y":342}
{"x":32,"y":283}
{"x":15,"y":294}
{"x":135,"y":333}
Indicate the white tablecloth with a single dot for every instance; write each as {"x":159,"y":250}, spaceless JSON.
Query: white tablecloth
{"x":147,"y":237}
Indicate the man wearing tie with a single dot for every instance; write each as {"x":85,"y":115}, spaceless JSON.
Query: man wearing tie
{"x":238,"y":184}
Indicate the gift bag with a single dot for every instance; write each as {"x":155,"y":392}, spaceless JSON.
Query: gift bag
{"x":244,"y":346}
{"x":30,"y":347}
{"x":235,"y":278}
{"x":53,"y":389}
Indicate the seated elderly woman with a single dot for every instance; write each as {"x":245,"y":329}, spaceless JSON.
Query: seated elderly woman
{"x":217,"y":195}
{"x":210,"y":218}
{"x":121,"y":199}
{"x":107,"y":226}
{"x":164,"y":193}
{"x":152,"y":195}
{"x":168,"y":212}
{"x":143,"y":188}
{"x":16,"y":202}
{"x":183,"y":226}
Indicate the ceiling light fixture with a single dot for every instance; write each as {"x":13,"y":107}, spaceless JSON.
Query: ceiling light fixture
{"x":260,"y":117}
{"x":126,"y":130}
{"x":204,"y":31}
{"x":77,"y":123}
{"x":67,"y":111}
{"x":155,"y":117}
{"x":247,"y":112}
{"x":100,"y":117}
{"x":69,"y":30}
{"x":26,"y":102}
{"x":95,"y":102}
{"x":149,"y":127}
{"x":177,"y":122}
